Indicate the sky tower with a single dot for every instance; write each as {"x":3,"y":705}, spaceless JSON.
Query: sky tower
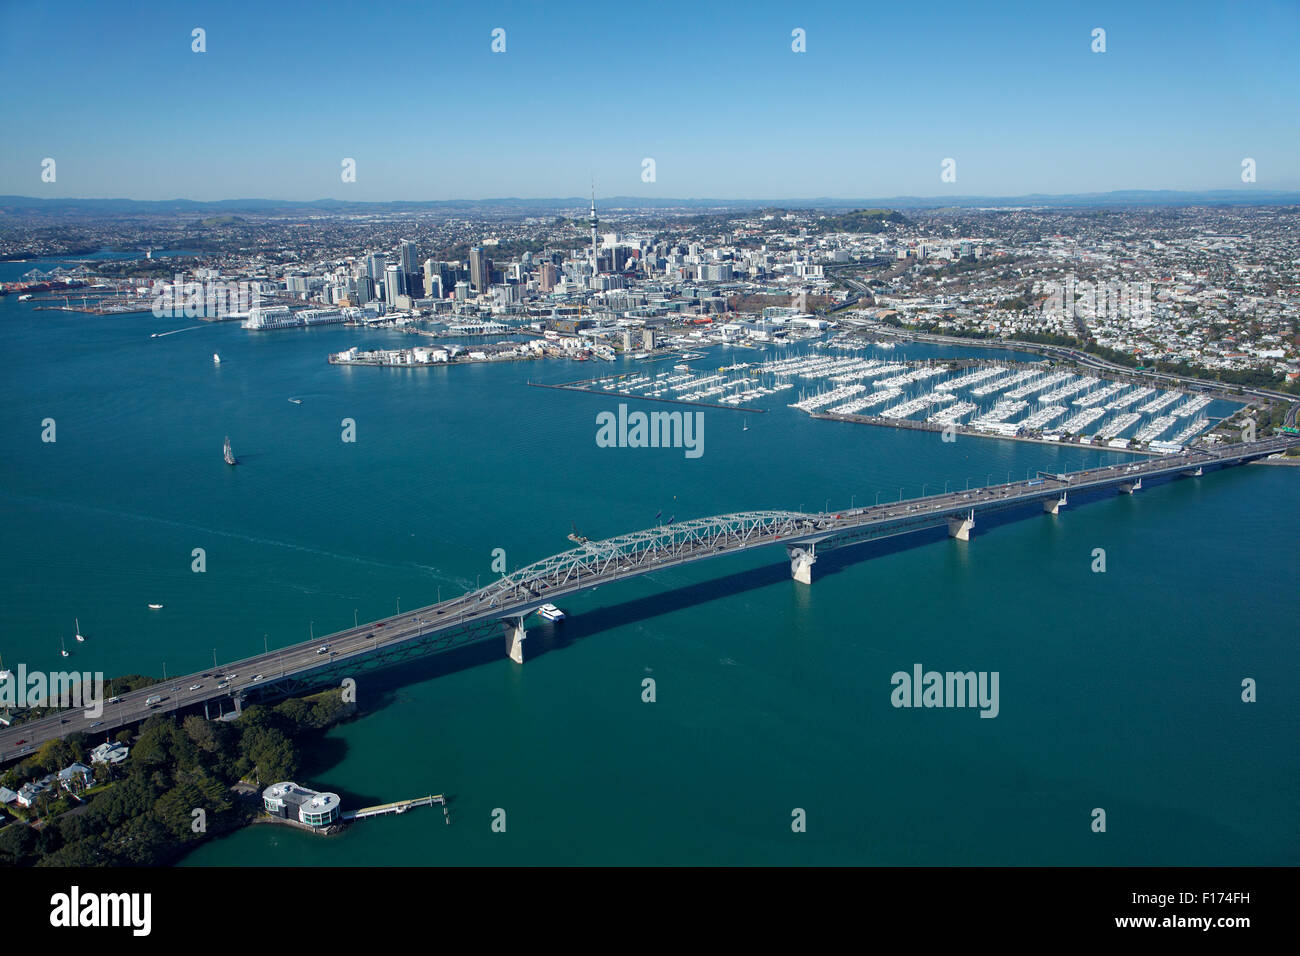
{"x":594,"y":222}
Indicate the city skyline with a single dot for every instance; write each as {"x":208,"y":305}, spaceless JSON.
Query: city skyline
{"x":721,"y":103}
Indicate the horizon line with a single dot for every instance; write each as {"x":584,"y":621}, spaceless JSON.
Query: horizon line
{"x":1235,"y":193}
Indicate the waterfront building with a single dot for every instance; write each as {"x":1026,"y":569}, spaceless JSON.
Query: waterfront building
{"x":289,"y":801}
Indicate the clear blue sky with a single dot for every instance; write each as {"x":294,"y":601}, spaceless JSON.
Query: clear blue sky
{"x":710,"y":91}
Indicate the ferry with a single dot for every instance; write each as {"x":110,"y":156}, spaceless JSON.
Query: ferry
{"x":296,"y":401}
{"x":549,"y":612}
{"x":25,"y":298}
{"x":155,"y":607}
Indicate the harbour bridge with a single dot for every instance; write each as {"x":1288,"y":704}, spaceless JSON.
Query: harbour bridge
{"x":504,"y":604}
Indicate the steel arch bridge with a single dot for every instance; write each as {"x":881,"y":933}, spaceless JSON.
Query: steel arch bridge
{"x":647,"y":550}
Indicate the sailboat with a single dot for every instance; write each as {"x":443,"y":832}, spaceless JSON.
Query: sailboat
{"x":62,"y":649}
{"x":228,"y":454}
{"x":80,"y":637}
{"x":745,"y":426}
{"x":216,"y":359}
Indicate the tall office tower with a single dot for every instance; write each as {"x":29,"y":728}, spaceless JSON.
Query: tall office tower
{"x":547,"y":276}
{"x":375,"y":267}
{"x":410,"y":265}
{"x":365,"y":289}
{"x":479,"y":270}
{"x":393,"y":284}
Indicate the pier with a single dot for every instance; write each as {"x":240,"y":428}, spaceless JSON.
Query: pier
{"x":398,"y":806}
{"x":499,"y":609}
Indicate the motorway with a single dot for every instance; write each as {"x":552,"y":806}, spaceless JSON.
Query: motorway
{"x":515,"y":598}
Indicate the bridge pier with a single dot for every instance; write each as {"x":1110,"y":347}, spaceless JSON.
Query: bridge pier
{"x":1128,"y":487}
{"x":1193,"y":472}
{"x":801,"y":562}
{"x":960,"y":527}
{"x":1054,"y":505}
{"x":515,"y":635}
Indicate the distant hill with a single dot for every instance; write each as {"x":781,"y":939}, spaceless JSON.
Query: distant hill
{"x":866,"y":209}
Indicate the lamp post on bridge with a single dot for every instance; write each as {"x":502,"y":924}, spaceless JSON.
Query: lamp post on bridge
{"x":853,"y":499}
{"x":945,"y":487}
{"x":924,"y":485}
{"x":877,"y":498}
{"x":988,"y":479}
{"x":265,"y":648}
{"x":968,"y":484}
{"x":354,"y":619}
{"x":900,"y":495}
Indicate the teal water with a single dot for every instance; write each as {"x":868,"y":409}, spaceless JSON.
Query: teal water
{"x":1118,"y":690}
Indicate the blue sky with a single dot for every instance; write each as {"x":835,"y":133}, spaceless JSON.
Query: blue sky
{"x":711,"y":91}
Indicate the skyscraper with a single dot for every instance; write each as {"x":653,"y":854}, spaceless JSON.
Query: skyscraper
{"x":409,"y":263}
{"x":394,"y":283}
{"x":479,"y":269}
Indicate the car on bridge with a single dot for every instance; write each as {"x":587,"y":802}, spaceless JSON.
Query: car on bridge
{"x":323,"y":649}
{"x":256,"y":678}
{"x":196,"y":687}
{"x":224,"y":683}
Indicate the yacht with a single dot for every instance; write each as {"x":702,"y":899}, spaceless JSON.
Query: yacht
{"x":80,"y":637}
{"x":549,"y":612}
{"x":62,"y":649}
{"x":155,"y":607}
{"x":216,"y":359}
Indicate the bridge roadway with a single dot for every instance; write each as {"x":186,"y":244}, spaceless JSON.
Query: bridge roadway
{"x":510,"y":599}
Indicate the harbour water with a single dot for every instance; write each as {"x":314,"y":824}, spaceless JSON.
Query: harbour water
{"x":1119,"y":690}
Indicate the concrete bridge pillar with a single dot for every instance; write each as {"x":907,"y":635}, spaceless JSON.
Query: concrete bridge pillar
{"x":959,"y":527}
{"x":801,"y":562}
{"x":1131,"y":486}
{"x":515,"y":635}
{"x":1193,"y":472}
{"x":1054,"y":505}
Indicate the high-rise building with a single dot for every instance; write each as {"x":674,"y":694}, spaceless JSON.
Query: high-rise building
{"x":480,"y":269}
{"x":547,"y":276}
{"x":410,"y":265}
{"x":394,"y":284}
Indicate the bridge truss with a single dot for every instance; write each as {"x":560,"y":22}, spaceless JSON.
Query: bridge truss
{"x":642,"y":551}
